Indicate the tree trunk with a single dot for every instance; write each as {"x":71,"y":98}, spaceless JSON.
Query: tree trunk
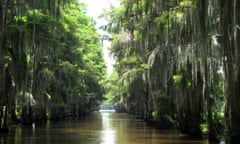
{"x":5,"y":96}
{"x":230,"y":31}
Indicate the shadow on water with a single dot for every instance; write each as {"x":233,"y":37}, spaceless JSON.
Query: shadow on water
{"x":100,"y":128}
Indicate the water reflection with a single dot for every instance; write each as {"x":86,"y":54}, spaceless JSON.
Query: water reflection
{"x":108,"y":137}
{"x":108,"y":133}
{"x":100,"y":128}
{"x":124,"y":129}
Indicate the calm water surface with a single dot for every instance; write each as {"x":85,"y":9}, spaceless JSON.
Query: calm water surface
{"x":100,"y":128}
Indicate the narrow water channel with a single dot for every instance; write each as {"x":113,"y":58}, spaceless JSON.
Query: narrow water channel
{"x":100,"y":128}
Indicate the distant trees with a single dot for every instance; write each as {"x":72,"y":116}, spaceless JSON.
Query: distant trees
{"x":177,"y":63}
{"x":51,"y":61}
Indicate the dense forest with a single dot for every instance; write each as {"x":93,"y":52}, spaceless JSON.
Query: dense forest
{"x":51,"y":61}
{"x":178,"y":64}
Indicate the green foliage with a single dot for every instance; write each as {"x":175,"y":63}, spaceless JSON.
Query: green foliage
{"x":156,"y":43}
{"x":18,"y":114}
{"x":163,"y":19}
{"x":47,"y":73}
{"x":187,"y":3}
{"x":7,"y":61}
{"x":48,"y":96}
{"x":218,"y":116}
{"x":52,"y":50}
{"x":204,"y":128}
{"x":155,"y":115}
{"x":177,"y":80}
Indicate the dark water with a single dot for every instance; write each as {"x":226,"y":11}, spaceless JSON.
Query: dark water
{"x":100,"y":128}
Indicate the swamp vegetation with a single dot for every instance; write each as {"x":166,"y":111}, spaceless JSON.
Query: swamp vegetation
{"x":177,"y":63}
{"x":51,"y":61}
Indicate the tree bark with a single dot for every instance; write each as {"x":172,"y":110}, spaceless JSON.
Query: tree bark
{"x":231,"y":35}
{"x":5,"y":96}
